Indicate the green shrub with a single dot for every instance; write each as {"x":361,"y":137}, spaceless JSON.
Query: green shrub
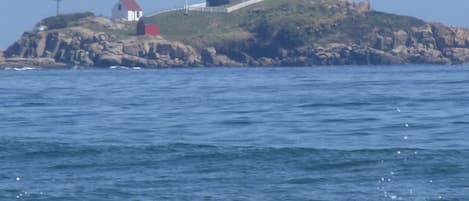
{"x":291,"y":36}
{"x":265,"y":30}
{"x":63,"y":21}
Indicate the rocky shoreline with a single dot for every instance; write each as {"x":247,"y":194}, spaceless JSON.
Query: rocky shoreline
{"x":80,"y":45}
{"x":84,"y":47}
{"x":430,"y":44}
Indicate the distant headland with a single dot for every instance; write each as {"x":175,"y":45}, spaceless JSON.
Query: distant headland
{"x":239,"y":33}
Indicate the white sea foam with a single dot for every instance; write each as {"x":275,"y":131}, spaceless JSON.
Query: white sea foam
{"x":119,"y":67}
{"x":24,"y":68}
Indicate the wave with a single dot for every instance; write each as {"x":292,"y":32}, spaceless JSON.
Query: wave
{"x":183,"y":164}
{"x":25,"y":68}
{"x":125,"y":68}
{"x":119,"y":67}
{"x":33,"y":148}
{"x":343,"y":104}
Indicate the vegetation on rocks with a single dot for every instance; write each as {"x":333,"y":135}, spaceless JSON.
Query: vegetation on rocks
{"x":64,"y":21}
{"x":324,"y":20}
{"x":270,"y":33}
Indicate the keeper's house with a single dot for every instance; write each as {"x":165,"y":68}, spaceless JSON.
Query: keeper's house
{"x":127,"y":10}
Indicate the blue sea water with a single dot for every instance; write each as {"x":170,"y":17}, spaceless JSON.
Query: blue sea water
{"x":323,"y":134}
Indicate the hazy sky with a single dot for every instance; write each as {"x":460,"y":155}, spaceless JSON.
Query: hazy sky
{"x":22,"y":15}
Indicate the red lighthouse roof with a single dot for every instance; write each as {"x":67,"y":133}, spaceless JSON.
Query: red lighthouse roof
{"x":131,"y":5}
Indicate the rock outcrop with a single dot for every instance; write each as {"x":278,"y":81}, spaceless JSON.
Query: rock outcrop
{"x":100,"y":42}
{"x":428,"y":44}
{"x":85,"y":47}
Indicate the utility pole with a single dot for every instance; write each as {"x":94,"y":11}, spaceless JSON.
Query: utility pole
{"x":58,"y":6}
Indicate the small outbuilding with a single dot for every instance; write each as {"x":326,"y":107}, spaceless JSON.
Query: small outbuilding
{"x":127,"y":10}
{"x":147,"y":26}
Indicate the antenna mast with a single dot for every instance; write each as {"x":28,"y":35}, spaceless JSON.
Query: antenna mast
{"x":58,"y":6}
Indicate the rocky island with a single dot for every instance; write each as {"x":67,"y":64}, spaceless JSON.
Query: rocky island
{"x":270,"y":33}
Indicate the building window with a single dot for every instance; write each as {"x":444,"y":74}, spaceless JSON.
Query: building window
{"x":120,"y":7}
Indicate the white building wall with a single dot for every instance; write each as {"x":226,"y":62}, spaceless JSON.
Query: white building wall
{"x":119,"y":14}
{"x":134,"y":15}
{"x":124,"y":14}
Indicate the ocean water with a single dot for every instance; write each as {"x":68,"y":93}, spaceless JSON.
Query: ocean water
{"x":322,"y":133}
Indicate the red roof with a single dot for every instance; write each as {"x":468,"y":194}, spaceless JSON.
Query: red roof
{"x":131,"y":5}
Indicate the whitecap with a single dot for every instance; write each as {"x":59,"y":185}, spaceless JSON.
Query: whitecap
{"x":24,"y":68}
{"x":119,"y":67}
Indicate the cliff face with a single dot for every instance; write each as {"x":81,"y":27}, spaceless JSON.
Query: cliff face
{"x":427,"y":44}
{"x":85,"y":47}
{"x":273,"y":33}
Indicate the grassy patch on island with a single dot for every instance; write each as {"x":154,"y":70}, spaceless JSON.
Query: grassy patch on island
{"x":320,"y":21}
